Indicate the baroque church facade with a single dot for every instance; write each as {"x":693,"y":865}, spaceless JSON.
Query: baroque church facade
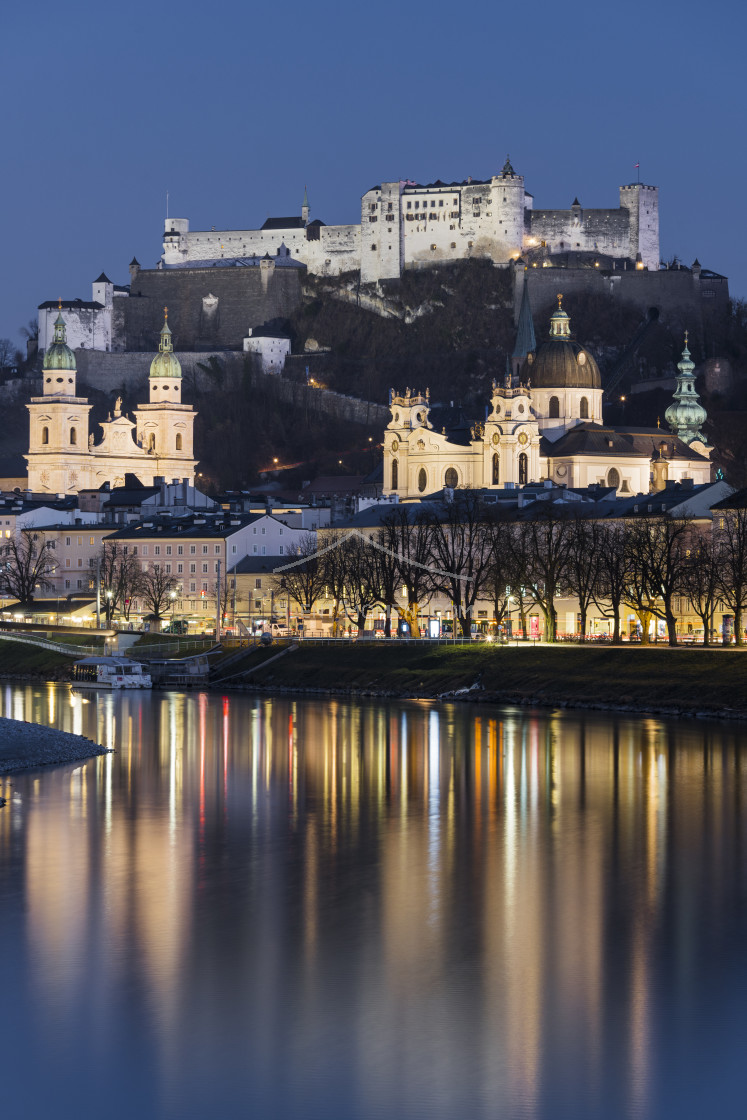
{"x":544,"y":423}
{"x":64,"y":456}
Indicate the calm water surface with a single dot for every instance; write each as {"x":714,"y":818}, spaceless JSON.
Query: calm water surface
{"x":309,"y":909}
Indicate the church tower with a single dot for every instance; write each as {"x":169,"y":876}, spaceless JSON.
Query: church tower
{"x":165,"y":425}
{"x":686,"y":416}
{"x":58,"y":460}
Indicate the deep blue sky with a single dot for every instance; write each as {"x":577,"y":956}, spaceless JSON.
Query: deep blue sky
{"x":233,"y":106}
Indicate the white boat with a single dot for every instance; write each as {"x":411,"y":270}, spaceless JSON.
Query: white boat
{"x":110,"y":672}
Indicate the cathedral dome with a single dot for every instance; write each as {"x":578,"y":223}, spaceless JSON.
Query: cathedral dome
{"x":59,"y":355}
{"x":165,"y":363}
{"x":561,"y":363}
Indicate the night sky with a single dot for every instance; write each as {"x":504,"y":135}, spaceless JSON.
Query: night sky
{"x":232,"y":107}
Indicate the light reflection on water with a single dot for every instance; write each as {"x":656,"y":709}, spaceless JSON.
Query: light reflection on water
{"x":314,"y":908}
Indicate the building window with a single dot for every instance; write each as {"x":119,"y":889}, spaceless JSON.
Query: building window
{"x":258,"y":584}
{"x":193,"y":568}
{"x":192,"y":549}
{"x":205,"y":568}
{"x":168,"y":549}
{"x":554,"y":408}
{"x":496,"y":469}
{"x":204,"y":550}
{"x":73,"y":437}
{"x":45,"y":435}
{"x":156,"y":550}
{"x":523,"y":468}
{"x":422,"y":479}
{"x":584,"y":409}
{"x":281,"y":550}
{"x":613,"y":477}
{"x":451,"y":478}
{"x":151,"y":441}
{"x":395,"y":474}
{"x":178,"y":441}
{"x":180,"y":568}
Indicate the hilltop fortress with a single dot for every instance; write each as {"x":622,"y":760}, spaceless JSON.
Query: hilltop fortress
{"x":409,"y":225}
{"x":228,"y":289}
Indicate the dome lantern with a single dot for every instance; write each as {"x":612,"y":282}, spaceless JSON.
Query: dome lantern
{"x":165,"y":363}
{"x":561,"y":362}
{"x":59,"y":356}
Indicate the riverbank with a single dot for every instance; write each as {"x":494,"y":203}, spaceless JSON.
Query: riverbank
{"x":28,"y":746}
{"x":680,"y":681}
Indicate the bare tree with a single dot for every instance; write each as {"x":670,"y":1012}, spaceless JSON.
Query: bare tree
{"x":407,"y":534}
{"x":613,"y":573}
{"x":27,"y":564}
{"x":120,"y":578}
{"x":155,"y":589}
{"x":304,"y":582}
{"x":701,"y":580}
{"x":658,"y":554}
{"x":731,"y":538}
{"x":583,"y":563}
{"x":361,"y":585}
{"x":461,"y":547}
{"x":542,"y":550}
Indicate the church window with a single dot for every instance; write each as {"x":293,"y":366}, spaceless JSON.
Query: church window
{"x":45,"y":435}
{"x":73,"y":437}
{"x":496,"y":469}
{"x":395,"y":474}
{"x":422,"y":479}
{"x":523,"y":469}
{"x":451,"y":478}
{"x":151,"y":441}
{"x":613,"y":477}
{"x":554,"y":412}
{"x":584,"y":409}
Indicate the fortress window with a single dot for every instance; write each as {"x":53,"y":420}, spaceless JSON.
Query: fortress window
{"x":45,"y":435}
{"x":178,"y":441}
{"x":554,"y":412}
{"x":73,"y":437}
{"x":453,"y":244}
{"x":373,"y":246}
{"x":523,"y":469}
{"x":373,"y":218}
{"x":584,"y":409}
{"x":389,"y":206}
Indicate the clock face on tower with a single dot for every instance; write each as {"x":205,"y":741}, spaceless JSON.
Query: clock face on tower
{"x":496,"y":439}
{"x":395,"y":444}
{"x":523,"y":438}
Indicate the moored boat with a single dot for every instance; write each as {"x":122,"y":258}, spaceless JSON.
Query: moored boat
{"x":110,"y":672}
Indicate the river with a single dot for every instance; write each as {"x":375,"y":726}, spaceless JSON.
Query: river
{"x":314,"y":908}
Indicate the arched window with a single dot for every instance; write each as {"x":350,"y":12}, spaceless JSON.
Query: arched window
{"x":151,"y":441}
{"x":496,"y":469}
{"x":554,"y":408}
{"x":45,"y":435}
{"x":451,"y":478}
{"x":395,"y":474}
{"x":584,"y":409}
{"x":422,"y":479}
{"x":613,"y":477}
{"x":523,"y":468}
{"x":73,"y":436}
{"x":178,"y":441}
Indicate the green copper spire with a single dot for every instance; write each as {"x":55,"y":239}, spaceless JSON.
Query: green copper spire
{"x":305,"y":196}
{"x":687,"y":415}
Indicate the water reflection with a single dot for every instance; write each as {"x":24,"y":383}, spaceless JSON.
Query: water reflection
{"x":318,"y":908}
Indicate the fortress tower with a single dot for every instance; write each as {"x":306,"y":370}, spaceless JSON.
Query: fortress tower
{"x":642,"y":203}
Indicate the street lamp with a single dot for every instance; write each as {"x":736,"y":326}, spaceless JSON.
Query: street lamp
{"x":173,"y":602}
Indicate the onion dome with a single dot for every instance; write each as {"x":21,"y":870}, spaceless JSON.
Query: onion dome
{"x":687,"y":415}
{"x":59,"y":355}
{"x":561,"y":362}
{"x":165,"y":363}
